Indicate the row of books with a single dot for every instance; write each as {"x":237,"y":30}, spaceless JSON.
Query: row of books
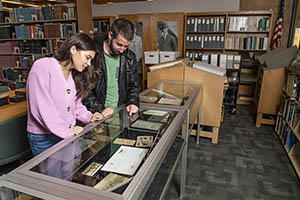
{"x":30,"y":47}
{"x":14,"y":74}
{"x":204,"y":41}
{"x":287,"y":136}
{"x":226,"y":61}
{"x":248,"y":23}
{"x":101,"y":26}
{"x":49,"y":12}
{"x":292,"y":85}
{"x":12,"y":85}
{"x":49,"y":30}
{"x":291,"y":112}
{"x":198,"y":24}
{"x":252,"y":42}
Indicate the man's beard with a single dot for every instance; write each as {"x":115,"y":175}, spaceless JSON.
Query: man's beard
{"x":113,"y":51}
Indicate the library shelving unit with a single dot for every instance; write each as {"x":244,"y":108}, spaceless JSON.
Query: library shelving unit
{"x":27,"y":34}
{"x":230,"y":33}
{"x":288,"y":119}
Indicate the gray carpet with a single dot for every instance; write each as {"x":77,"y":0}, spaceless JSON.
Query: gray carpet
{"x":247,"y":163}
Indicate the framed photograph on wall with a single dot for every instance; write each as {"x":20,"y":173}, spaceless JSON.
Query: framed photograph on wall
{"x":167,"y":32}
{"x":167,"y":35}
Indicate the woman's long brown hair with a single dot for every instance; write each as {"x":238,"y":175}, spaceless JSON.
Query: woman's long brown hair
{"x":85,"y":81}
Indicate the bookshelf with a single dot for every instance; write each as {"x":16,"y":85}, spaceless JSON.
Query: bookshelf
{"x":288,"y":119}
{"x":230,"y":33}
{"x":27,"y":34}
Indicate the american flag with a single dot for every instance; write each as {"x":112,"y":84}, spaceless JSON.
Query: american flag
{"x":277,"y":34}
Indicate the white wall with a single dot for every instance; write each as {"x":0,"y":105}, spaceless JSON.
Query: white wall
{"x":165,"y":6}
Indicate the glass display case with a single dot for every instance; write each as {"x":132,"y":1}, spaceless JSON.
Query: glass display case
{"x":119,"y":157}
{"x":116,"y":158}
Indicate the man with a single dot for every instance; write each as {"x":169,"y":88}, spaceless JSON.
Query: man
{"x":118,"y":77}
{"x":166,"y":41}
{"x":136,"y":46}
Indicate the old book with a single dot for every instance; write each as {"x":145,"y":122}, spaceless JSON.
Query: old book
{"x":170,"y":101}
{"x":144,"y":141}
{"x":112,"y":181}
{"x":155,"y":112}
{"x":125,"y":160}
{"x":141,"y":124}
{"x":124,"y":141}
{"x":92,"y":169}
{"x":148,"y":99}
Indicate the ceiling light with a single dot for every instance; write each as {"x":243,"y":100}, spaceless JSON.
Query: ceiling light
{"x":19,"y":3}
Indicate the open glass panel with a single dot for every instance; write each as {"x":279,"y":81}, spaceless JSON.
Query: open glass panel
{"x":169,"y":93}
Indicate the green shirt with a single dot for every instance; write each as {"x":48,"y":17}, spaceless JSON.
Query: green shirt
{"x":112,"y":90}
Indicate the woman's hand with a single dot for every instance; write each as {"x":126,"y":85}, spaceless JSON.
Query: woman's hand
{"x":77,"y":130}
{"x":96,"y":117}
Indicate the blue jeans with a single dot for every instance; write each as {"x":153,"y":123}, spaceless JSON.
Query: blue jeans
{"x":41,"y":142}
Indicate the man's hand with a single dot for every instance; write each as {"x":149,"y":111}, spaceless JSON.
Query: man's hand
{"x":107,"y":111}
{"x":77,"y":130}
{"x":132,"y":109}
{"x":96,"y":117}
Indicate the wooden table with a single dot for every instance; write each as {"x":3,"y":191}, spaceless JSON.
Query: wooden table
{"x":12,"y":110}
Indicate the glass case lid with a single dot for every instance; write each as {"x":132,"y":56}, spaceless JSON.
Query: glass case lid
{"x":170,"y":93}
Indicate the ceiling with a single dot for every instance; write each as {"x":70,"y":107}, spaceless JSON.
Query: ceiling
{"x":9,"y":4}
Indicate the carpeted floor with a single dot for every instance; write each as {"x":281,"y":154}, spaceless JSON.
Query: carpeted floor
{"x":247,"y":163}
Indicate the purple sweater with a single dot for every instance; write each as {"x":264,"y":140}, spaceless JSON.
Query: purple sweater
{"x":52,"y":104}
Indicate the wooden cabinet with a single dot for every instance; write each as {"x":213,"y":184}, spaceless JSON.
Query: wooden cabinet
{"x":238,"y":32}
{"x":269,"y":88}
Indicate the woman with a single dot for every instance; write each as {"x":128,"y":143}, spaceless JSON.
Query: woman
{"x":55,"y":87}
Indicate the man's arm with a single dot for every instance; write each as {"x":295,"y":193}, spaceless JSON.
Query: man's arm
{"x":91,"y":102}
{"x":133,"y":84}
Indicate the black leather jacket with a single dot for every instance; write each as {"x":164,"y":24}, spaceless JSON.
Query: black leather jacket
{"x":128,"y":80}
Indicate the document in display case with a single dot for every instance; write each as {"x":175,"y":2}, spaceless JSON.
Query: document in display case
{"x":111,"y":159}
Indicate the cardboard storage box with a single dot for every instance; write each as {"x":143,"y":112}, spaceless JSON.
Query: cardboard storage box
{"x":151,"y":57}
{"x":166,"y":56}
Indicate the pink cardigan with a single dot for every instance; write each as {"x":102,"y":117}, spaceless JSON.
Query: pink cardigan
{"x":52,"y":104}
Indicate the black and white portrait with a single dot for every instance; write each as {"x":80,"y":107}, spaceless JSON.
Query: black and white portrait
{"x":167,"y":35}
